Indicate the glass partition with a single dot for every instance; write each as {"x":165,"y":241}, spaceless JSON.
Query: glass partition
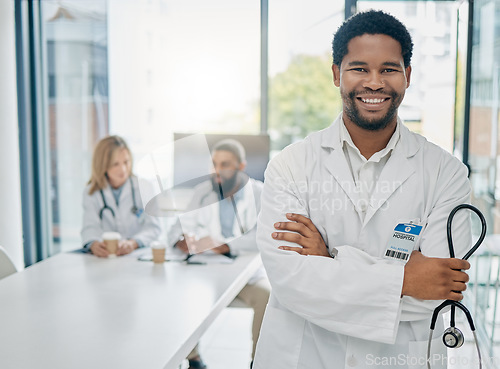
{"x":485,"y":162}
{"x":75,"y":71}
{"x":302,"y":96}
{"x":428,"y":107}
{"x":141,"y":69}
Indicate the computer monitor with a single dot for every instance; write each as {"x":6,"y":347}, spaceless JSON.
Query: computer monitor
{"x":188,"y":161}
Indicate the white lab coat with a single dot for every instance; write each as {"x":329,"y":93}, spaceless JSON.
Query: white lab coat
{"x":203,"y":219}
{"x":346,"y":312}
{"x":143,"y":229}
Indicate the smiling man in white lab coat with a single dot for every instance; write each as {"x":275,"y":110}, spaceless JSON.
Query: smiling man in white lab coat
{"x":344,"y":213}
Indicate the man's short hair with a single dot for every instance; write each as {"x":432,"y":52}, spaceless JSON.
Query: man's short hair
{"x":371,"y":22}
{"x":233,"y":146}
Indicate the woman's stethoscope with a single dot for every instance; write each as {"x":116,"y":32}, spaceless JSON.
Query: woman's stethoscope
{"x":452,"y":336}
{"x":135,"y":210}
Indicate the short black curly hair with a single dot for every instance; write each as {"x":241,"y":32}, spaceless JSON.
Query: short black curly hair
{"x":371,"y":22}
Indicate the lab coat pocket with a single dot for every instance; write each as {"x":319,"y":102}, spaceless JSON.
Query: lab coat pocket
{"x":417,"y":354}
{"x":280,"y":340}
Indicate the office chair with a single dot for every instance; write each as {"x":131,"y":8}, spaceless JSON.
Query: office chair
{"x":6,"y":265}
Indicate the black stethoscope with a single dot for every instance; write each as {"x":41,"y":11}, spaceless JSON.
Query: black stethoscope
{"x":452,"y":336}
{"x":135,"y":210}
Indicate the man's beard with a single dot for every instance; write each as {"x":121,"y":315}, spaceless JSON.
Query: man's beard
{"x":226,"y":186}
{"x":352,"y":112}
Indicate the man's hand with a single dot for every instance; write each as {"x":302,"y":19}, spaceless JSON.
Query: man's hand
{"x":435,"y":278}
{"x":192,"y":245}
{"x":182,"y":245}
{"x":305,"y":234}
{"x":126,"y":247}
{"x":99,"y":249}
{"x":222,"y":249}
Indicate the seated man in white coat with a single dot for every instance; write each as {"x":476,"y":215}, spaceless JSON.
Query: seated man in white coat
{"x":223,"y":218}
{"x":341,"y":297}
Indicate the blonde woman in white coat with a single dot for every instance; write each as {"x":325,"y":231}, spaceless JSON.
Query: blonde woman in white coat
{"x":112,"y":202}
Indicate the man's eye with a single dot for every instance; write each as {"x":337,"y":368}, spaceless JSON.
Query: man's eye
{"x":389,"y":70}
{"x":358,"y":69}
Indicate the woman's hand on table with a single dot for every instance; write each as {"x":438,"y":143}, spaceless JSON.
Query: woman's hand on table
{"x":99,"y":249}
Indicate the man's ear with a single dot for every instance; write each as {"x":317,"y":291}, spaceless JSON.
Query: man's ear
{"x":336,"y":74}
{"x":242,"y":166}
{"x":408,"y":75}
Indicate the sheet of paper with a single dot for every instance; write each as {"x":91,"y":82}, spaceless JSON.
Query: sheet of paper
{"x":209,"y":257}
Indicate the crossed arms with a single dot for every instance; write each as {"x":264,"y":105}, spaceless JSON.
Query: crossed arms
{"x":425,"y":278}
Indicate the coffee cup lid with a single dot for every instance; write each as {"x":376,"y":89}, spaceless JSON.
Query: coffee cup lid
{"x":111,"y":236}
{"x":157,"y":245}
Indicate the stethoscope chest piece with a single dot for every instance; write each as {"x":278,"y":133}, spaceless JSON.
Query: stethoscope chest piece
{"x":453,"y":337}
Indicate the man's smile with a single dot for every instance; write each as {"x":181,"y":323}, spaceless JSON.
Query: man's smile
{"x":373,"y":103}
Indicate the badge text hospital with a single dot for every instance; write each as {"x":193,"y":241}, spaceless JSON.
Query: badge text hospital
{"x":403,"y":241}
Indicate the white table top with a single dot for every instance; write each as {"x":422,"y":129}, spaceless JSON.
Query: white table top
{"x":75,"y":311}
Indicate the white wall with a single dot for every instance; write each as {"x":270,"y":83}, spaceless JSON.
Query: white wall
{"x":10,"y":191}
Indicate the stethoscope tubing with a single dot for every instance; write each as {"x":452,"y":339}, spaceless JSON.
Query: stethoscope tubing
{"x":105,"y":206}
{"x":452,"y":303}
{"x":448,"y":229}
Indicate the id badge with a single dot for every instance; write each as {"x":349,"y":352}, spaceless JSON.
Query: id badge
{"x":403,"y":242}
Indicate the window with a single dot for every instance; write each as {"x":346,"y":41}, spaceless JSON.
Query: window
{"x":485,"y":111}
{"x":183,"y":66}
{"x":428,"y":106}
{"x":302,"y":96}
{"x":142,"y":70}
{"x":75,"y":70}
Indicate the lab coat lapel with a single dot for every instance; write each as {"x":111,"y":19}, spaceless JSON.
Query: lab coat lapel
{"x":396,"y":171}
{"x":213,"y":212}
{"x":126,"y":195}
{"x":202,"y":219}
{"x":336,"y":162}
{"x":110,"y":199}
{"x":337,"y":165}
{"x":247,"y":212}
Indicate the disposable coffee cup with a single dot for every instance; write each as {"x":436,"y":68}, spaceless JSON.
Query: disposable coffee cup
{"x":111,"y":239}
{"x":158,"y":250}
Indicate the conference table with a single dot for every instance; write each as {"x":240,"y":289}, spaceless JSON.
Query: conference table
{"x":77,"y":311}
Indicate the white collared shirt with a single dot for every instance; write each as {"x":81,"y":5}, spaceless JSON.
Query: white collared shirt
{"x":365,"y":173}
